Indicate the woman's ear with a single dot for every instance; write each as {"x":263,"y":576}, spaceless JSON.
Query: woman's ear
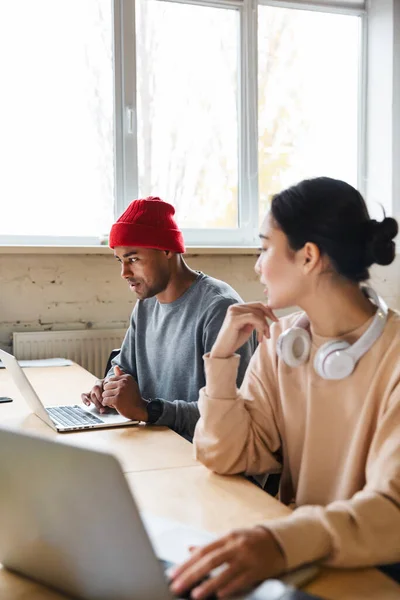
{"x":311,"y":257}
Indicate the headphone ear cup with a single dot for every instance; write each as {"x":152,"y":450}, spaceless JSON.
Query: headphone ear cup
{"x":332,"y":361}
{"x":293,"y":346}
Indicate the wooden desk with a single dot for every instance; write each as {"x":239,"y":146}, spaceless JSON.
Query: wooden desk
{"x":196,"y":496}
{"x":159,"y":464}
{"x":137,"y":448}
{"x":216,"y":503}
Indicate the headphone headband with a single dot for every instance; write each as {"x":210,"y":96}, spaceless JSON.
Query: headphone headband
{"x":335,"y":359}
{"x":364,"y":343}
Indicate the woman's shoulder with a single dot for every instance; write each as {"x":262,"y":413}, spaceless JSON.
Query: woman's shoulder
{"x":394,"y":317}
{"x":392,"y":327}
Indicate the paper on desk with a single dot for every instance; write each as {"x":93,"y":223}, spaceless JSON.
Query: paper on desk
{"x":43,"y":362}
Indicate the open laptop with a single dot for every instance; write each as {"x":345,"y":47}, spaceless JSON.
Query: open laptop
{"x":69,"y":521}
{"x":61,"y":418}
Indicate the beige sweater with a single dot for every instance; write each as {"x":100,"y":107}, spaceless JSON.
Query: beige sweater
{"x":339,"y":442}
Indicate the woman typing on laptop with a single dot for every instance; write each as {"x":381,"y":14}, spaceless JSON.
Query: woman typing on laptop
{"x":320,"y":400}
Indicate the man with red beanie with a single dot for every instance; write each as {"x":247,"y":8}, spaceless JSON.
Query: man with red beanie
{"x":157,"y":376}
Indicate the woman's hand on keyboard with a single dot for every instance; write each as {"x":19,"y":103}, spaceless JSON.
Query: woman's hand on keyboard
{"x":247,"y":557}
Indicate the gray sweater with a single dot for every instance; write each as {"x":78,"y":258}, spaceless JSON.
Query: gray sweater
{"x":164,"y":346}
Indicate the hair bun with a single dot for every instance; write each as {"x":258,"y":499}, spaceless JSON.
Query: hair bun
{"x":381,"y":248}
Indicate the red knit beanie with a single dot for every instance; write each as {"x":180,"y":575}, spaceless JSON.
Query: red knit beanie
{"x":148,"y":223}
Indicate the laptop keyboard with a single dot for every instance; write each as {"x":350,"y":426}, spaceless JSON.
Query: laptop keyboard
{"x":70,"y":416}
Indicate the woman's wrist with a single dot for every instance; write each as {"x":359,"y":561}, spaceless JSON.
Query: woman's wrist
{"x":216,"y":353}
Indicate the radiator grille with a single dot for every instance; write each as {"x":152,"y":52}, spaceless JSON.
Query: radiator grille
{"x":88,"y":348}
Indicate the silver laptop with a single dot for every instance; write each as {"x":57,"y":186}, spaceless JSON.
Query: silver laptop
{"x":69,"y":521}
{"x":60,"y":418}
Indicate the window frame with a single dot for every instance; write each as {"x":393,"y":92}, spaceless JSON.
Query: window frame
{"x":125,"y":138}
{"x":383,"y":100}
{"x":246,"y":234}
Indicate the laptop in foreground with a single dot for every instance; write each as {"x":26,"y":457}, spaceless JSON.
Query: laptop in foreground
{"x":69,"y":521}
{"x":61,"y":418}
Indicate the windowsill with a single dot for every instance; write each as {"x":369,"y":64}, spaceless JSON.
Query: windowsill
{"x":190,"y":250}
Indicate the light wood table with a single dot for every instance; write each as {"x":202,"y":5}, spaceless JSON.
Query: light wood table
{"x":137,"y":447}
{"x":167,"y":481}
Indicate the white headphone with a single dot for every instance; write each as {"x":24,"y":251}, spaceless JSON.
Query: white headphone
{"x":335,"y":359}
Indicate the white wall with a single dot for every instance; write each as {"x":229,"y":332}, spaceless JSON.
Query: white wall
{"x":44,"y":292}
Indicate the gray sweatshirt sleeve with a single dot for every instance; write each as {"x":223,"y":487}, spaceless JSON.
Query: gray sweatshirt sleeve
{"x":182,"y":416}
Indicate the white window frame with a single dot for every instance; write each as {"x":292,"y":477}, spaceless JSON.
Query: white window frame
{"x":126,"y":160}
{"x":383,"y":99}
{"x":396,"y":115}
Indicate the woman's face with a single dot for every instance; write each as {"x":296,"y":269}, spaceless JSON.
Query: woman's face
{"x":279,"y":267}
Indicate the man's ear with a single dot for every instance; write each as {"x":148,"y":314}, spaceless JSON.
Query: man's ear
{"x":169,"y":253}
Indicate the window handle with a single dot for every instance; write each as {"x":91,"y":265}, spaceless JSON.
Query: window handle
{"x":130,"y":119}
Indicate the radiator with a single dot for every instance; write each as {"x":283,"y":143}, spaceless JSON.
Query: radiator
{"x":89,"y":348}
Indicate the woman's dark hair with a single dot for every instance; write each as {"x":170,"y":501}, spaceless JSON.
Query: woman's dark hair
{"x":333,"y":215}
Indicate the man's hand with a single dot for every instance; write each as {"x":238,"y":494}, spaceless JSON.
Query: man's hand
{"x":122,"y":393}
{"x":249,"y":556}
{"x":95,"y":396}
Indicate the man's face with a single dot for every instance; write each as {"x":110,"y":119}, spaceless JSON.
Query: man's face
{"x":147,"y":271}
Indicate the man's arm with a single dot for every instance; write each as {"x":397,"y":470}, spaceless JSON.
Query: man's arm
{"x":180,"y":415}
{"x":126,"y":360}
{"x":126,"y":357}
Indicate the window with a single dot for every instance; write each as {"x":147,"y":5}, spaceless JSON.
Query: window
{"x":308,"y":97}
{"x":214,"y":106}
{"x":56,"y":119}
{"x":187,"y":112}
